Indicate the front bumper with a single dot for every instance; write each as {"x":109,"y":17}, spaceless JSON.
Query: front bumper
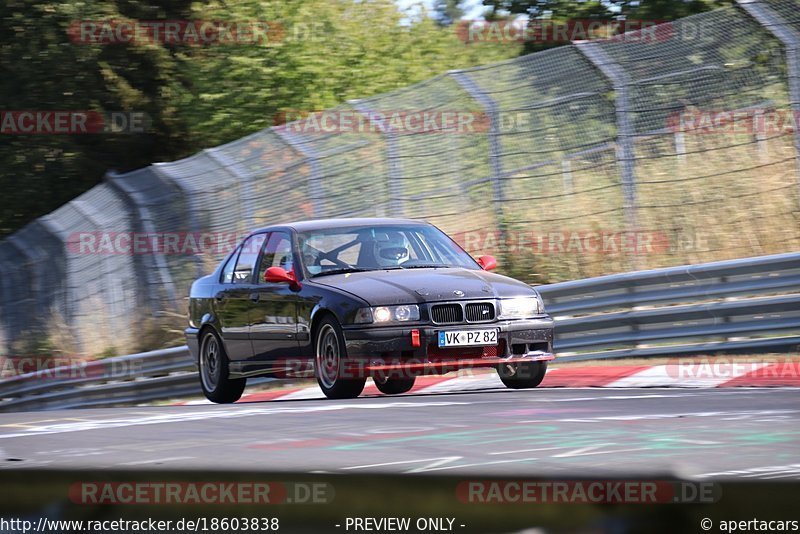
{"x":386,"y":349}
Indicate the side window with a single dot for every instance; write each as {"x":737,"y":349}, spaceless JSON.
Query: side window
{"x":277,"y":253}
{"x":242,"y":273}
{"x":227,"y":271}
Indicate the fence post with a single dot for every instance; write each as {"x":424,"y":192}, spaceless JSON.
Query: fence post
{"x":315,"y":176}
{"x":145,"y":219}
{"x":395,"y":176}
{"x":490,"y":107}
{"x":160,"y":169}
{"x":8,"y":313}
{"x":680,"y":145}
{"x":245,"y":187}
{"x":30,"y":300}
{"x":90,"y":214}
{"x":782,"y":30}
{"x":64,"y":301}
{"x":30,"y":242}
{"x":566,"y":176}
{"x":47,"y":225}
{"x":625,"y":154}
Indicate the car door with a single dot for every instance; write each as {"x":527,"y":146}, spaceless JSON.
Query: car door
{"x":233,"y":302}
{"x":273,"y":315}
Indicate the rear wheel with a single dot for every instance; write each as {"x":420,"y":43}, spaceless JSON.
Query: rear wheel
{"x":522,"y":375}
{"x":217,"y":385}
{"x":329,"y":362}
{"x":394,"y":386}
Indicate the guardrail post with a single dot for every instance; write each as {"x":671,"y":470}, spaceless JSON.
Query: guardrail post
{"x":490,"y":107}
{"x":625,"y":133}
{"x":782,"y":30}
{"x":315,"y":176}
{"x":394,"y":177}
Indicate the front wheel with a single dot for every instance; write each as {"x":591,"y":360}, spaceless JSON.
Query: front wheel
{"x":522,"y":375}
{"x":394,"y":386}
{"x":329,"y":362}
{"x":217,"y":385}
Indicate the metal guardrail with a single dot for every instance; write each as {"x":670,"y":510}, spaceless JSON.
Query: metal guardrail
{"x":125,"y":379}
{"x":609,"y":134}
{"x":744,"y":305}
{"x":749,"y":304}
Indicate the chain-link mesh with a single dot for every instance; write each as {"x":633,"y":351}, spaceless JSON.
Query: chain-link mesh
{"x":559,"y":174}
{"x":723,"y":191}
{"x":441,"y":171}
{"x":100,"y":288}
{"x":671,"y":146}
{"x":161,"y":208}
{"x":340,"y":161}
{"x":273,"y":175}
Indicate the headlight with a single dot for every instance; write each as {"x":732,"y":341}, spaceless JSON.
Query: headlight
{"x":388,"y":314}
{"x":520,"y":308}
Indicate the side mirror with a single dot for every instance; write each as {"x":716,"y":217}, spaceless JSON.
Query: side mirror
{"x":278,"y":275}
{"x":487,"y":262}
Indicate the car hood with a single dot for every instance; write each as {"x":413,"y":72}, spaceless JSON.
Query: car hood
{"x":384,"y":288}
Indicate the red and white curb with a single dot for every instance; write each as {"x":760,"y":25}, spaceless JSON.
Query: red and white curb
{"x":679,"y":375}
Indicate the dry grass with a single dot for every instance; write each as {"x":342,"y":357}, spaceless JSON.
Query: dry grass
{"x":728,"y":197}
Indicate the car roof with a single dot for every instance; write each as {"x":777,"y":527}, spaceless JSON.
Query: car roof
{"x":322,"y":224}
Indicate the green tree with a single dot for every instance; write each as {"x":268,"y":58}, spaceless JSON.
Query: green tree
{"x":447,"y":11}
{"x":38,"y":173}
{"x":196,"y":96}
{"x":329,"y":52}
{"x":564,"y":10}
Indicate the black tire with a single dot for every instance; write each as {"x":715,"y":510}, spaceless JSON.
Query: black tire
{"x":213,"y":363}
{"x":330,"y":354}
{"x":522,"y":375}
{"x":394,"y":386}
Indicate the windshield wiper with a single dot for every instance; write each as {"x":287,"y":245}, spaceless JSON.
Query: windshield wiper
{"x":343,"y":270}
{"x":426,"y":266}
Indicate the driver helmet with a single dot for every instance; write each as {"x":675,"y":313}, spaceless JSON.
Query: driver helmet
{"x":391,"y":249}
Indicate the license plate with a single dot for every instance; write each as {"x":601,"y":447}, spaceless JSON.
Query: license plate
{"x":467,"y":338}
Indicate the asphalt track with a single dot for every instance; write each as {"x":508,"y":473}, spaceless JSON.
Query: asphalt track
{"x":704,"y":434}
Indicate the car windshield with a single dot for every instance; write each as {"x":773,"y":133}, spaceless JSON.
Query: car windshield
{"x":372,"y":248}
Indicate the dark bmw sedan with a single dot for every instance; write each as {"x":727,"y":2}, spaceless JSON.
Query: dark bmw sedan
{"x":345,"y":300}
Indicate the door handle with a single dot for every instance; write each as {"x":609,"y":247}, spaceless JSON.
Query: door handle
{"x":255,"y":296}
